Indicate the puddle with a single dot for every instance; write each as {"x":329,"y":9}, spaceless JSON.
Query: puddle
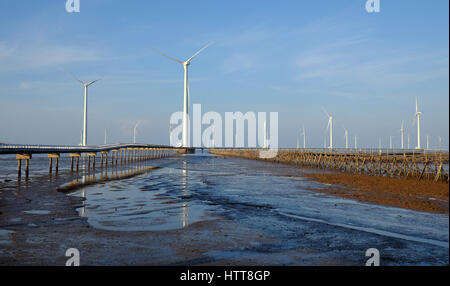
{"x":5,"y":236}
{"x":155,"y":201}
{"x":37,"y":212}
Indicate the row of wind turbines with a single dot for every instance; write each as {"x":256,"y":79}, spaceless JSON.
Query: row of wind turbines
{"x":329,"y":128}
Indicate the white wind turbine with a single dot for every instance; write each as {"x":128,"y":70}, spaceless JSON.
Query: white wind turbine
{"x":356,"y":142}
{"x":85,"y":106}
{"x":329,"y":126}
{"x":417,"y":116}
{"x":402,"y":132}
{"x":186,"y":89}
{"x":346,"y":137}
{"x":304,"y":136}
{"x":134,"y":132}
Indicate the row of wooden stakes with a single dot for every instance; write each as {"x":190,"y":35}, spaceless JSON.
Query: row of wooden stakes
{"x":118,"y":156}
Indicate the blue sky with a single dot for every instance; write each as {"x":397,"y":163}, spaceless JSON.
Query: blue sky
{"x":293,"y":57}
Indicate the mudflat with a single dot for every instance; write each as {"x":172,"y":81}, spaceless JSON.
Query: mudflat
{"x":410,"y":193}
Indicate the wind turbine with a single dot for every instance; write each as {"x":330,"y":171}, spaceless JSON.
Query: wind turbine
{"x":408,"y":142}
{"x":329,"y":126}
{"x":135,"y":127}
{"x":186,"y":89}
{"x":390,"y":141}
{"x":105,"y":136}
{"x":304,"y":136}
{"x":402,"y":133}
{"x":428,"y":142}
{"x":417,"y":116}
{"x":346,"y":137}
{"x":85,"y":106}
{"x":356,"y":142}
{"x":440,"y":143}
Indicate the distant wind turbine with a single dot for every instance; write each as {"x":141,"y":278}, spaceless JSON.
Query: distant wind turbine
{"x":85,"y":106}
{"x":329,"y":126}
{"x":186,"y":89}
{"x":401,"y":134}
{"x":356,"y":142}
{"x":134,"y":133}
{"x":346,"y":137}
{"x":390,"y":142}
{"x":304,"y":136}
{"x":105,"y":136}
{"x":417,"y":116}
{"x":428,"y":142}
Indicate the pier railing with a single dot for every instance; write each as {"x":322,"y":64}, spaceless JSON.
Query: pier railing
{"x":119,"y":154}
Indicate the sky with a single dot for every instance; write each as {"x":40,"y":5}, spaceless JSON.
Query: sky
{"x":291,"y":57}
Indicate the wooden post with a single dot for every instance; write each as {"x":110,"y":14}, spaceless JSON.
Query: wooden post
{"x":72,"y":156}
{"x":51,"y":156}
{"x":19,"y":168}
{"x":27,"y":167}
{"x":89,"y":159}
{"x":19,"y":158}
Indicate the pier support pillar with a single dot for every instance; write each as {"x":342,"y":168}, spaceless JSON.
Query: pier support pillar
{"x":93,"y":159}
{"x":50,"y":157}
{"x":19,"y":158}
{"x":72,"y":156}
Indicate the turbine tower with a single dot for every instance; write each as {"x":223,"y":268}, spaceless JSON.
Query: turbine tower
{"x":329,"y":126}
{"x":346,"y":138}
{"x":417,"y":116}
{"x":134,"y":132}
{"x":304,"y":137}
{"x":186,"y":89}
{"x":402,"y":134}
{"x":85,"y":106}
{"x":356,"y":142}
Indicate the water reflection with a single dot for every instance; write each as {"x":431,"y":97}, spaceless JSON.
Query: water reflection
{"x":139,"y":197}
{"x":185,"y":193}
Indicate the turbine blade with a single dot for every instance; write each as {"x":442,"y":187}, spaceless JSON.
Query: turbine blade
{"x":74,"y":77}
{"x":199,"y":51}
{"x":163,"y":54}
{"x":326,"y":113}
{"x":92,"y":82}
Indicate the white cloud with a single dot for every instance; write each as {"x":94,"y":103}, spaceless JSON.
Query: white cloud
{"x":15,"y":57}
